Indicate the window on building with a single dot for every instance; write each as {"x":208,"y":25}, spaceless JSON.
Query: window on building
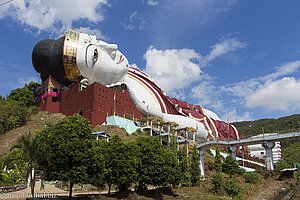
{"x":54,"y":99}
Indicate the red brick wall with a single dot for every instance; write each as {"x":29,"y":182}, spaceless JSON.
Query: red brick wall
{"x":96,"y":102}
{"x":47,"y":104}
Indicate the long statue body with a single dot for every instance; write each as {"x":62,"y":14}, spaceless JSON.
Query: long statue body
{"x":79,"y":56}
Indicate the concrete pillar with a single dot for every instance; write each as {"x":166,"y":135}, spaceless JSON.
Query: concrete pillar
{"x":186,"y":134}
{"x":201,"y":153}
{"x":159,"y":131}
{"x":151,"y":133}
{"x":169,"y":138}
{"x":176,"y":135}
{"x":232,"y":150}
{"x":269,"y":154}
{"x":194,"y":136}
{"x":187,"y":149}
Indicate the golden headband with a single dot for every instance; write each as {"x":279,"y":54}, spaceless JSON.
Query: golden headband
{"x":72,"y":72}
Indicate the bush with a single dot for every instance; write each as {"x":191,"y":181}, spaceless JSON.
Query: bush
{"x":147,"y":132}
{"x":281,"y":165}
{"x":230,"y":166}
{"x":252,"y":177}
{"x":33,"y":110}
{"x":233,"y":189}
{"x":217,"y":181}
{"x":139,"y":131}
{"x":211,"y":165}
{"x":218,"y":160}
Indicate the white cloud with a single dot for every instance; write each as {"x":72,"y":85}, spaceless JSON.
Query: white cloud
{"x":248,"y":87}
{"x":176,"y":69}
{"x":173,"y":69}
{"x":222,"y":48}
{"x":134,"y":21}
{"x":282,"y":94}
{"x":152,"y":3}
{"x":92,"y":32}
{"x":275,"y":91}
{"x":53,"y":15}
{"x":234,"y":116}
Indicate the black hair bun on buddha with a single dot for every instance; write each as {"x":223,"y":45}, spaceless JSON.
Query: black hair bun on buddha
{"x":47,"y":59}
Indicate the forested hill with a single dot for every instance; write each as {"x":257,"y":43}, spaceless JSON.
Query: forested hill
{"x":283,"y":124}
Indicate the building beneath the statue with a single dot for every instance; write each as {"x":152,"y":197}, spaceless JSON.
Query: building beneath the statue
{"x":94,"y":102}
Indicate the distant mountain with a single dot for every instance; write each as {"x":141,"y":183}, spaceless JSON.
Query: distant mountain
{"x":283,"y":124}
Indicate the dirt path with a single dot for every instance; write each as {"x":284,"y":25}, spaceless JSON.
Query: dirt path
{"x":272,"y":189}
{"x":49,"y":191}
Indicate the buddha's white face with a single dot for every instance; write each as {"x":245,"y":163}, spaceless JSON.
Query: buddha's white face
{"x":99,"y":61}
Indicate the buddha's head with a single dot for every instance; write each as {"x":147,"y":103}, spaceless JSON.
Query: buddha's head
{"x":78,"y":55}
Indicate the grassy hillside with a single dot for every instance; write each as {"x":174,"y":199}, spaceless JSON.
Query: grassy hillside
{"x":283,"y":124}
{"x":34,"y":123}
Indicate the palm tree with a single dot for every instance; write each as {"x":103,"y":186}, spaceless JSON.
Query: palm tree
{"x":31,"y":148}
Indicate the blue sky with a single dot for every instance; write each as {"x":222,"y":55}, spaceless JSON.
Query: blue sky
{"x":240,"y":59}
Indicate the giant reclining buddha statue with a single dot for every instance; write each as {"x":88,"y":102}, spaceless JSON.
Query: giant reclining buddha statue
{"x":81,"y":57}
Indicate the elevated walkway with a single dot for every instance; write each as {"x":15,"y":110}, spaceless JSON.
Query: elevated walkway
{"x":251,"y":141}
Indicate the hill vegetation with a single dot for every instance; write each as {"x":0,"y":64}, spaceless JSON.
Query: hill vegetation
{"x":256,"y":127}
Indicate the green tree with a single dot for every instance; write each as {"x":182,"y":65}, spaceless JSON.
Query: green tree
{"x":217,"y":182}
{"x":2,"y":99}
{"x":66,"y":148}
{"x":150,"y":168}
{"x":23,"y":96}
{"x":195,"y":169}
{"x":233,"y":189}
{"x":218,"y":160}
{"x":33,"y":88}
{"x":120,"y":164}
{"x":12,"y":115}
{"x":171,"y":165}
{"x":29,"y":145}
{"x":96,"y":170}
{"x":230,"y":166}
{"x":184,"y":169}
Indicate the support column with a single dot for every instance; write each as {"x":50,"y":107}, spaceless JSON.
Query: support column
{"x":176,"y":135}
{"x":169,"y":138}
{"x":159,"y":131}
{"x":151,"y":133}
{"x":186,"y":134}
{"x":232,"y":150}
{"x":187,"y":149}
{"x":269,"y":154}
{"x":194,"y":136}
{"x":201,"y":160}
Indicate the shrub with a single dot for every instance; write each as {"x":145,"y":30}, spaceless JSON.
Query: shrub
{"x":217,"y":181}
{"x":211,"y":165}
{"x":252,"y":177}
{"x":218,"y":160}
{"x":233,"y":189}
{"x":281,"y":165}
{"x":33,"y":110}
{"x":230,"y":166}
{"x":139,"y":131}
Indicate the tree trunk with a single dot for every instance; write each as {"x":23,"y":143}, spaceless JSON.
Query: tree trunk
{"x":71,"y":187}
{"x":109,"y":186}
{"x":32,"y":180}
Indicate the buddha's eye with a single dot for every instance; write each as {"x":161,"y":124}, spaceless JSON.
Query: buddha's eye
{"x":95,"y":56}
